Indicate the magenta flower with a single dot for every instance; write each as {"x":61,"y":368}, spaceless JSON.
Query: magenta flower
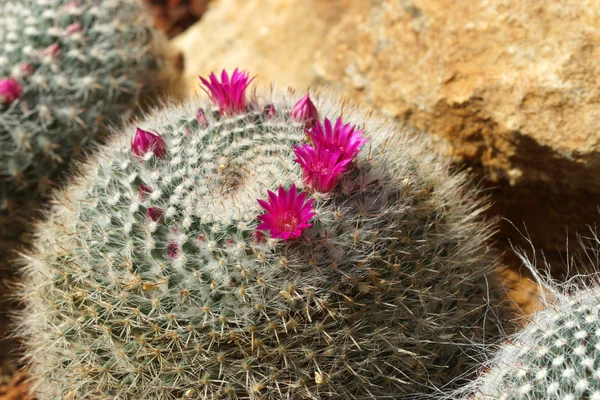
{"x":343,"y":138}
{"x":144,"y":141}
{"x":322,"y":168}
{"x":305,"y":111}
{"x":287,"y":214}
{"x":155,"y":213}
{"x":10,"y":90}
{"x":229,"y":94}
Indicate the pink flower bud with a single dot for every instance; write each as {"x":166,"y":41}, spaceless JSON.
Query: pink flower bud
{"x":72,"y":5}
{"x":10,"y":90}
{"x":155,"y":213}
{"x":305,"y":111}
{"x":201,"y":118}
{"x":144,"y":141}
{"x":259,"y":237}
{"x":53,"y":50}
{"x":74,"y":28}
{"x":269,"y":111}
{"x":27,"y":69}
{"x":173,"y":250}
{"x":144,"y":192}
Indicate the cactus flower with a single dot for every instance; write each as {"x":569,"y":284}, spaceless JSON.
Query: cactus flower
{"x":287,"y":214}
{"x":305,"y":111}
{"x":144,"y":141}
{"x":10,"y":90}
{"x":322,"y":168}
{"x":343,"y":138}
{"x":230,"y":93}
{"x":155,"y":213}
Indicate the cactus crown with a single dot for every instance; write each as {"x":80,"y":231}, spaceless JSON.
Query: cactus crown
{"x":151,"y":280}
{"x":67,"y":69}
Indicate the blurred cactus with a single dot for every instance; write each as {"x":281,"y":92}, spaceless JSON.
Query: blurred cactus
{"x":155,"y":277}
{"x":555,"y":356}
{"x":67,"y":70}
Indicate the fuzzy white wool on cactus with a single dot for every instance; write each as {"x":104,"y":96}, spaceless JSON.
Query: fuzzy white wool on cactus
{"x":150,"y":279}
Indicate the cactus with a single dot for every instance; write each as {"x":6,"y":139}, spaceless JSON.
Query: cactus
{"x":67,"y":70}
{"x":555,"y":356}
{"x":194,"y":257}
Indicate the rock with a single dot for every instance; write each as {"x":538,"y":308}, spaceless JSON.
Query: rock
{"x":274,"y":39}
{"x":513,"y":85}
{"x":16,"y":389}
{"x":174,"y":16}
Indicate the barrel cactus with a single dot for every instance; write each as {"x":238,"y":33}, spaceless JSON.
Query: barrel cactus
{"x":555,"y":356}
{"x":255,"y":247}
{"x":67,"y":70}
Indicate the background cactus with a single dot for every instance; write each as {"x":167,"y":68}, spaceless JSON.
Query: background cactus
{"x":150,"y":280}
{"x":67,"y":69}
{"x":555,"y":356}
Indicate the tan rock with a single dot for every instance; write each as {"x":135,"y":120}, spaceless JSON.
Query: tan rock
{"x":274,"y":39}
{"x":514,"y":85}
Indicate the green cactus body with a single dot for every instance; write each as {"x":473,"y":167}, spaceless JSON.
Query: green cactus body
{"x":80,"y":65}
{"x":556,"y":355}
{"x":384,"y":296}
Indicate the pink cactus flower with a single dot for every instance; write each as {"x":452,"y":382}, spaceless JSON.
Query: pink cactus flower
{"x":72,"y":5}
{"x":10,"y":90}
{"x":287,"y":214}
{"x":321,"y":167}
{"x":305,"y":111}
{"x":27,"y":69}
{"x":155,"y":213}
{"x":144,"y":141}
{"x":343,"y":138}
{"x":229,"y":94}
